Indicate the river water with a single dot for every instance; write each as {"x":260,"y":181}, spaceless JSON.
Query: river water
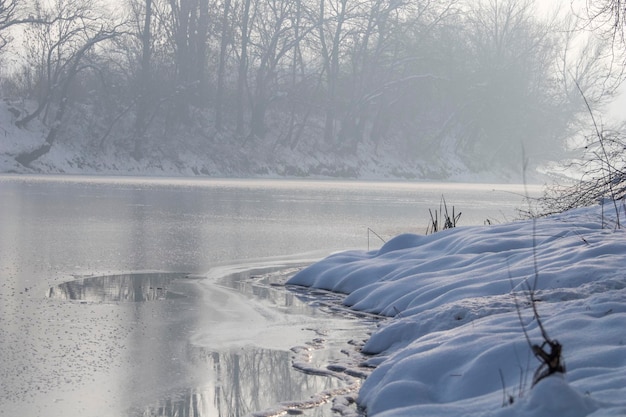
{"x":159,"y":296}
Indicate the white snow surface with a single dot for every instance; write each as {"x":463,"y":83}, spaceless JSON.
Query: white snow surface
{"x":454,"y":344}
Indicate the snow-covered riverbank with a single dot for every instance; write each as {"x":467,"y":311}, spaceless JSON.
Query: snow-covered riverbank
{"x":456,"y":347}
{"x":189,"y":154}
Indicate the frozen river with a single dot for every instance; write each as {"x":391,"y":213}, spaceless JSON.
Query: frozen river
{"x":142,"y":297}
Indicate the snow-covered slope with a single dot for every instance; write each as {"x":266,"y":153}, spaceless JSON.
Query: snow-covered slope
{"x":14,"y":140}
{"x":83,"y":148}
{"x":455,"y":345}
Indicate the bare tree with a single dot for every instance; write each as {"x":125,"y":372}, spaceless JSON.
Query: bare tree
{"x":292,"y":136}
{"x":7,"y":19}
{"x":387,"y":62}
{"x":63,"y":79}
{"x":591,"y":78}
{"x":609,"y":14}
{"x":331,"y":36}
{"x":512,"y":99}
{"x":278,"y":37}
{"x":55,"y":41}
{"x":13,"y":13}
{"x":187,"y":24}
{"x":395,"y":59}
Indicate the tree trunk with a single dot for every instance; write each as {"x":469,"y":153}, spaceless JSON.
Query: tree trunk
{"x":257,"y":118}
{"x":243,"y":69}
{"x":294,"y":76}
{"x":219,"y":105}
{"x":332,"y":70}
{"x":144,"y":85}
{"x":201,"y":52}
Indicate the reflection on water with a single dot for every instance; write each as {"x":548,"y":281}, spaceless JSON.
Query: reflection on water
{"x":169,"y":374}
{"x":246,"y":381}
{"x":267,"y":284}
{"x":249,"y":380}
{"x":113,"y":288}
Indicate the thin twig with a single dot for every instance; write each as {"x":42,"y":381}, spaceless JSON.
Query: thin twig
{"x":606,"y":159}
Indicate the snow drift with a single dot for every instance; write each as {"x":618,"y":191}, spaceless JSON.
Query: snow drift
{"x":454,"y":343}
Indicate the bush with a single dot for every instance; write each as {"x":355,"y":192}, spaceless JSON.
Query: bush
{"x":602,"y":180}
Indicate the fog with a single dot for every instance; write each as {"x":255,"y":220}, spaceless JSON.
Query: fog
{"x":335,"y":88}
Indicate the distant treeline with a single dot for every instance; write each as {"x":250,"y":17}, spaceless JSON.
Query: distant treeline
{"x":477,"y":79}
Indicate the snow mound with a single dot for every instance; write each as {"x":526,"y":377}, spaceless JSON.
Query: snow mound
{"x":454,"y":344}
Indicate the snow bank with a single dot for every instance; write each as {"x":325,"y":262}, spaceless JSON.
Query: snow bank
{"x":14,"y":140}
{"x":85,"y":145}
{"x":454,"y":345}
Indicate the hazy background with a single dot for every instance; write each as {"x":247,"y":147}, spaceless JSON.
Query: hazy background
{"x":449,"y":90}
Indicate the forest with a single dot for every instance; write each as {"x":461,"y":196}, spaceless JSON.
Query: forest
{"x":433,"y":85}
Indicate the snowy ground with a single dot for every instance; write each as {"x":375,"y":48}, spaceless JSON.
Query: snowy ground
{"x":455,"y":345}
{"x":192,"y":154}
